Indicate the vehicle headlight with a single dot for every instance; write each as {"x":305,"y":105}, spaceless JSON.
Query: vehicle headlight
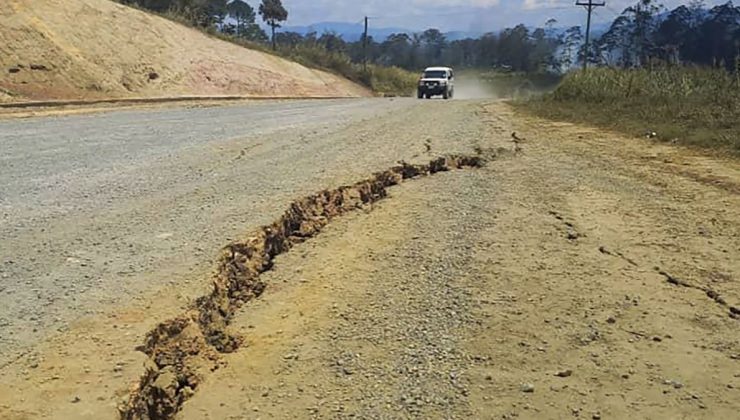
{"x":443,"y":82}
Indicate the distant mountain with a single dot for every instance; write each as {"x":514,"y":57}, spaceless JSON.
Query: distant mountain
{"x":458,"y":35}
{"x":349,"y":31}
{"x":353,"y":31}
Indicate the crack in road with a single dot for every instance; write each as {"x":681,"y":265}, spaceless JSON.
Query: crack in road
{"x":181,"y":349}
{"x":734,"y":311}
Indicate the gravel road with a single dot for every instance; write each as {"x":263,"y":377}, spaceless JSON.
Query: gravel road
{"x":100,"y":208}
{"x":586,"y":275}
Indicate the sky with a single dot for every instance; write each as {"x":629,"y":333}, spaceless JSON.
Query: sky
{"x":452,"y":15}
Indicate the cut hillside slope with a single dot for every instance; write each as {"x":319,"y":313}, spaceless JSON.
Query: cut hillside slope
{"x":93,"y":49}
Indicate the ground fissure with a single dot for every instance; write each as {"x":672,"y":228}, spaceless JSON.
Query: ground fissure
{"x":183,"y":349}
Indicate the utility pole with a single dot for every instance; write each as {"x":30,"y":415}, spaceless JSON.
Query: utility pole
{"x":590,"y":5}
{"x":364,"y":47}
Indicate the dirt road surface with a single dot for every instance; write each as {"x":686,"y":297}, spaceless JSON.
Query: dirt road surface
{"x":586,"y":275}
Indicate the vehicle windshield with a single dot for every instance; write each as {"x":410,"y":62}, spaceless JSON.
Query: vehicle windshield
{"x":435,"y":74}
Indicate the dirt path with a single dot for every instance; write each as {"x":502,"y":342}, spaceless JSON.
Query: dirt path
{"x":587,"y":276}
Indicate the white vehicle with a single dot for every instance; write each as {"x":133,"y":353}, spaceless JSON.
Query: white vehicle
{"x":436,"y":81}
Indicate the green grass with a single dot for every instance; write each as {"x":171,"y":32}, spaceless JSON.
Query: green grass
{"x":390,"y":81}
{"x":691,"y":106}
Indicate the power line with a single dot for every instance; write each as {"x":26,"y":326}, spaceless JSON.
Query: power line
{"x":364,"y":46}
{"x":590,"y":5}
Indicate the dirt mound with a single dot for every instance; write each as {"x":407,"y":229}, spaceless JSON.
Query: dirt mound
{"x":79,"y":49}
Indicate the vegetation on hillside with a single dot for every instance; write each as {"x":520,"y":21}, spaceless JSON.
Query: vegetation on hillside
{"x":672,"y":76}
{"x":643,"y":35}
{"x":385,"y":80}
{"x":235,"y":21}
{"x":686,"y":105}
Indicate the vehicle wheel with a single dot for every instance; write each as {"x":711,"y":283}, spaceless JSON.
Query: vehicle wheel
{"x":446,"y":95}
{"x":452,"y":94}
{"x":419,"y":95}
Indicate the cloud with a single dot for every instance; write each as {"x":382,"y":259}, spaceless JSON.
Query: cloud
{"x":539,"y":4}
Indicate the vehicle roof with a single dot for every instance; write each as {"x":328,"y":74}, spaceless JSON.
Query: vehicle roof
{"x":437,"y":69}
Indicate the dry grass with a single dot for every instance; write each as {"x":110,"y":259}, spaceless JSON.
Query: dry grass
{"x":690,"y":106}
{"x":386,"y":81}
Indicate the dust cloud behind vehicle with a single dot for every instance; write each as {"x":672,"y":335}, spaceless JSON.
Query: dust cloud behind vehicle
{"x":477,"y":84}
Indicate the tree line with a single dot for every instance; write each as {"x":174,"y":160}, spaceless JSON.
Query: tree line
{"x":646,"y":33}
{"x":642,"y":34}
{"x":242,"y":20}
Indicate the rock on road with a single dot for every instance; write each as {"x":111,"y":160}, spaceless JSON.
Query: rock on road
{"x":534,"y":287}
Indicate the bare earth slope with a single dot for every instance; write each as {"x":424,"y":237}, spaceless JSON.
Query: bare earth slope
{"x":80,"y":49}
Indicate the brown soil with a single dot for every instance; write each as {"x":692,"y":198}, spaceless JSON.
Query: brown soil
{"x":580,"y":274}
{"x":91,"y":49}
{"x":180,"y":350}
{"x":576,"y":278}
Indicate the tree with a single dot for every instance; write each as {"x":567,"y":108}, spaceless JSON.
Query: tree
{"x":673,"y":32}
{"x":332,"y":42}
{"x":253,"y":32}
{"x":273,"y":13}
{"x":216,"y":11}
{"x":487,"y":51}
{"x":541,"y":54}
{"x":642,"y":16}
{"x":570,"y":48}
{"x":289,"y":39}
{"x":433,"y":42}
{"x":616,"y":45}
{"x":242,"y":12}
{"x":396,"y":50}
{"x":717,"y":41}
{"x":245,"y":17}
{"x":203,"y":13}
{"x":514,"y":46}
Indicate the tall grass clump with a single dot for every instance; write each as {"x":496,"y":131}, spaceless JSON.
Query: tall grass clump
{"x":687,"y":105}
{"x":389,"y":81}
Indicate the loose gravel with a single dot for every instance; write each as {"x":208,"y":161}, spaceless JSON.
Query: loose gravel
{"x":100,"y":210}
